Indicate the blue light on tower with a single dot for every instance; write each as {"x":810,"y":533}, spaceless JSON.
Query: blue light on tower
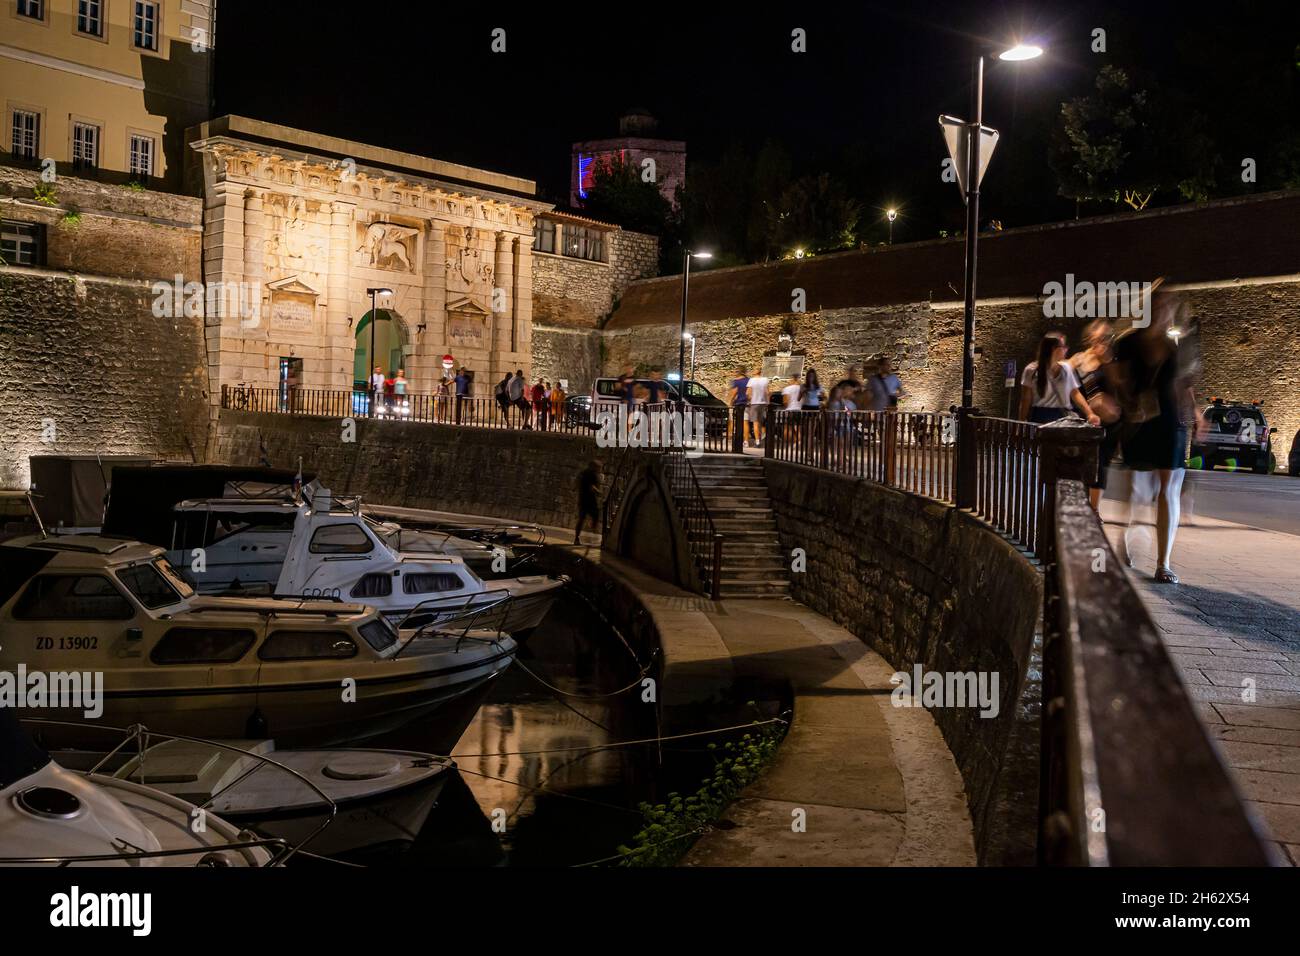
{"x":584,"y":173}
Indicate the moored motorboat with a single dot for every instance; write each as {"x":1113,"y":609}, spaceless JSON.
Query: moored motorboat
{"x":308,"y":672}
{"x":381,"y":797}
{"x":316,"y":545}
{"x":52,"y":816}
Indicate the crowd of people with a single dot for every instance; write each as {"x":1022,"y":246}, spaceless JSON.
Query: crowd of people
{"x":538,"y":406}
{"x":1139,"y":388}
{"x":753,"y":392}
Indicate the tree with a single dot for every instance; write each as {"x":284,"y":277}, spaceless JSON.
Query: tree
{"x":815,"y":214}
{"x":1122,"y":143}
{"x":620,"y":194}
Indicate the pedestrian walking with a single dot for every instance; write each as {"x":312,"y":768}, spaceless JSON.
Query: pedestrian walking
{"x":1092,"y":366}
{"x":1049,"y":387}
{"x":502,"y":395}
{"x":739,"y":400}
{"x":376,"y":387}
{"x":538,"y":396}
{"x":812,"y":390}
{"x":756,"y":410}
{"x":886,"y":388}
{"x":558,"y":398}
{"x":588,"y":499}
{"x":515,"y":393}
{"x":1156,"y":387}
{"x":462,"y":390}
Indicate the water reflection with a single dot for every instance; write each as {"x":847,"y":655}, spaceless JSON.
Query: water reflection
{"x":531,"y":791}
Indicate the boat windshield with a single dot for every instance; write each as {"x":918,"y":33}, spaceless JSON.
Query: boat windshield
{"x":407,"y":540}
{"x":149,"y":586}
{"x":173,"y":578}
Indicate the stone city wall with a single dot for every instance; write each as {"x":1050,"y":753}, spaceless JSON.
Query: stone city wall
{"x":85,"y":364}
{"x":922,"y":583}
{"x":506,"y":473}
{"x":1249,"y":346}
{"x":88,"y":368}
{"x":95,"y":228}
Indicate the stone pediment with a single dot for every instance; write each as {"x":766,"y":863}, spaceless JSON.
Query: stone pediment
{"x":463,"y":303}
{"x":291,"y":284}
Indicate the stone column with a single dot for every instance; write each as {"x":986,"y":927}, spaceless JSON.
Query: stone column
{"x":522,"y":300}
{"x":432,"y":342}
{"x":340,"y":347}
{"x":502,"y":322}
{"x":223,"y":262}
{"x":257,"y":323}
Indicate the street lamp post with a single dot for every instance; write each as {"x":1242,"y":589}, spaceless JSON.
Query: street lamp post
{"x":1020,"y":51}
{"x":687,"y":256}
{"x":691,"y":338}
{"x":891,"y":215}
{"x":374,"y":317}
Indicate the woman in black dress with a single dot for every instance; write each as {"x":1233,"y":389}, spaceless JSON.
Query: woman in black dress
{"x":1158,"y":405}
{"x":1093,"y":367}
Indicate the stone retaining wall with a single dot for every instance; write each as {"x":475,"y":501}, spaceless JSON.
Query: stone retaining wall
{"x":509,"y":473}
{"x":921,"y":582}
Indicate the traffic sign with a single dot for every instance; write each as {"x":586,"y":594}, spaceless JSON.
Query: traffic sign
{"x":956,"y":134}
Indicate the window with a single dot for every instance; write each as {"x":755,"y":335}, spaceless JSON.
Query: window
{"x":373,"y":585}
{"x":307,"y":645}
{"x":72,"y":597}
{"x":26,"y":140}
{"x":22,"y":243}
{"x":140,"y":162}
{"x":426,"y":583}
{"x":85,"y":146}
{"x":144,"y":26}
{"x":543,"y":235}
{"x":202,"y":645}
{"x":583,"y":243}
{"x":340,"y":539}
{"x":32,"y":8}
{"x":90,"y":17}
{"x":378,"y":634}
{"x":148,"y":585}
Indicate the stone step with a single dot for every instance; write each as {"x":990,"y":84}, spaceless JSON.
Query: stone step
{"x":743,"y":591}
{"x":748,"y":538}
{"x":733,"y":526}
{"x":740,"y":561}
{"x":746,"y":575}
{"x":739,"y":512}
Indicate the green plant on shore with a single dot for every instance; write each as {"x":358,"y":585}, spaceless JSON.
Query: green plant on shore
{"x":671,"y":827}
{"x":71,"y":219}
{"x":134,"y":187}
{"x":45,"y":193}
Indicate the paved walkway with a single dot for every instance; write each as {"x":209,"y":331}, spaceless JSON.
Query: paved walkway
{"x":877,"y":783}
{"x":1235,"y":619}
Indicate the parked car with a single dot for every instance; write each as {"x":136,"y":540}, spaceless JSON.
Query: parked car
{"x":1293,"y":459}
{"x":608,"y":393}
{"x":1236,"y":433}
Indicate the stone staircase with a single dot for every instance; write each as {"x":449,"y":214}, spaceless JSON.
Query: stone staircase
{"x":735,"y":491}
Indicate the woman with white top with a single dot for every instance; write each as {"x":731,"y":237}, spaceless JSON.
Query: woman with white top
{"x":1050,"y":387}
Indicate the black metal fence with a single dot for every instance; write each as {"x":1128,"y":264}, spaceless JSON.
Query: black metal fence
{"x":469,"y":411}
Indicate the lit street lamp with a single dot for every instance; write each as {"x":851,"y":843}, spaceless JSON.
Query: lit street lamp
{"x":1020,"y":51}
{"x":374,"y":318}
{"x":691,"y":338}
{"x":687,"y":256}
{"x":891,"y":215}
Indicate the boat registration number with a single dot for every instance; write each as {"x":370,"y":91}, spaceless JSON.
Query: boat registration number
{"x":322,"y":592}
{"x":67,"y":643}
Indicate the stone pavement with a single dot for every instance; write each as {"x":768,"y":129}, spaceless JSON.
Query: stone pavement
{"x":1233,"y":626}
{"x":877,"y":782}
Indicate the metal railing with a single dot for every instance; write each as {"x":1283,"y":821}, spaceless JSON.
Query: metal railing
{"x":911,"y":451}
{"x":701,"y":535}
{"x":1008,"y":478}
{"x":1128,"y":773}
{"x":466,"y":410}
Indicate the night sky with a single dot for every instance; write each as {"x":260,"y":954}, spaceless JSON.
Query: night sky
{"x":863,"y":99}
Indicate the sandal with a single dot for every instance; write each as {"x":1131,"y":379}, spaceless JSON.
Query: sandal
{"x":1166,"y":576}
{"x":1124,"y":553}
